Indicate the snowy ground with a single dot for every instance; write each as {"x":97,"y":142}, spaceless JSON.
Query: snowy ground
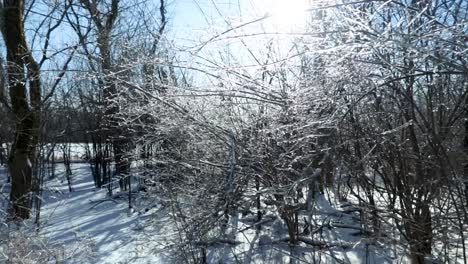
{"x":339,"y":232}
{"x":90,"y":227}
{"x":87,"y":226}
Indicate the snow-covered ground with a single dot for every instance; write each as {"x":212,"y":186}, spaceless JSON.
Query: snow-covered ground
{"x":88,"y":226}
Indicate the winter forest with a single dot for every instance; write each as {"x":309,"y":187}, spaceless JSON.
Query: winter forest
{"x":234,"y":131}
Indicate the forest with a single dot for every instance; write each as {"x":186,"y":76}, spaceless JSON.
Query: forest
{"x":234,"y":131}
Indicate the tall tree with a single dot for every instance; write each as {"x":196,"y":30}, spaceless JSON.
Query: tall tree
{"x":104,"y":22}
{"x":23,"y":75}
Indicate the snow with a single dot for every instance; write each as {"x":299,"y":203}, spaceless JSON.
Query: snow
{"x":90,"y":226}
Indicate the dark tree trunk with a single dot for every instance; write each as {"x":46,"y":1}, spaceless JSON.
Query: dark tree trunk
{"x":22,"y":153}
{"x":465,"y":150}
{"x":113,"y":132}
{"x":419,"y":232}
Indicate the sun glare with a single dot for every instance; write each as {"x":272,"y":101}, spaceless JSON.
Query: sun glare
{"x":288,"y":14}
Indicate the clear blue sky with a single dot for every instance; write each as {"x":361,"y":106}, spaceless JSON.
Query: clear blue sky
{"x":191,"y":19}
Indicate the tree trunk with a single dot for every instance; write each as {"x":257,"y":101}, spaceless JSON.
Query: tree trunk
{"x":465,"y":150}
{"x":420,"y":234}
{"x":26,"y":117}
{"x":113,"y":132}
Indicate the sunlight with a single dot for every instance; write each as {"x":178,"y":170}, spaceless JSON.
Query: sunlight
{"x":288,"y":14}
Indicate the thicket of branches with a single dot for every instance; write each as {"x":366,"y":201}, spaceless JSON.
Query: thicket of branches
{"x":367,"y":107}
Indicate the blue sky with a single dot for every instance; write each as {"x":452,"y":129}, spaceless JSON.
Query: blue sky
{"x":191,"y":19}
{"x":192,"y":22}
